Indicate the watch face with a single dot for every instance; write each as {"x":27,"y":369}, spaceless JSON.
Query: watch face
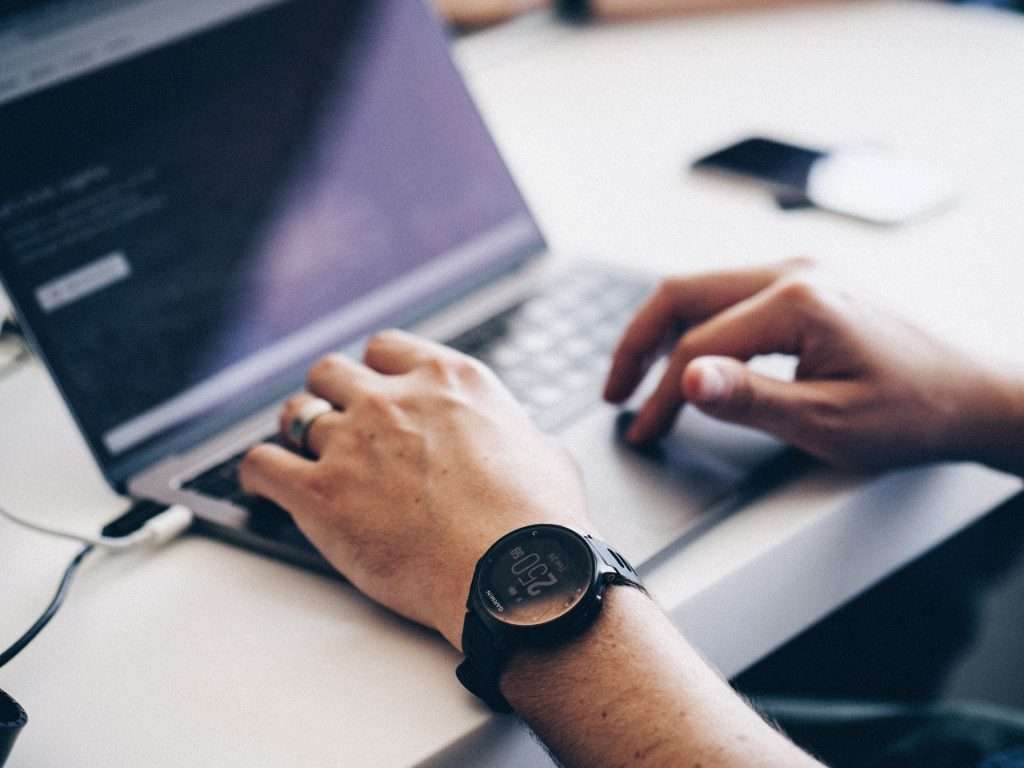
{"x":535,"y":576}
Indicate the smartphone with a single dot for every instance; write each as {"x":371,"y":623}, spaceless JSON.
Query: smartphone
{"x":785,"y":167}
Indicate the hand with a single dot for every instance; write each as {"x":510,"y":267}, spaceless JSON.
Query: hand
{"x":871,"y":391}
{"x":427,"y":462}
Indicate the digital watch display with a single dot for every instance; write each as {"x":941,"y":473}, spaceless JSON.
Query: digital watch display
{"x":536,"y":585}
{"x":536,"y":577}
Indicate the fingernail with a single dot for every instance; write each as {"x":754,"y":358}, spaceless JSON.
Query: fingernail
{"x":714,"y":384}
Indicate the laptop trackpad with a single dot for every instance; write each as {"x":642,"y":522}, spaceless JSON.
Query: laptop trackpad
{"x":645,"y":500}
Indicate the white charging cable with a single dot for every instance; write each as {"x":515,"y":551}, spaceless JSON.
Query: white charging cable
{"x":162,"y":528}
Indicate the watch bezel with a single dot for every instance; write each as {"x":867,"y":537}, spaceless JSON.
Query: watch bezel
{"x":507,"y":633}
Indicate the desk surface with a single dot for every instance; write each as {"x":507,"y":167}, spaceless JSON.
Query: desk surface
{"x":205,"y":654}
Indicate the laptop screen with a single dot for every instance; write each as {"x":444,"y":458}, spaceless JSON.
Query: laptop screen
{"x":198,"y":198}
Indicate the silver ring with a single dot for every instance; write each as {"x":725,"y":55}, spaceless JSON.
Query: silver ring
{"x":298,"y":429}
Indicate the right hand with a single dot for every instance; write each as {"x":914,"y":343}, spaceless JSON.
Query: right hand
{"x":425,"y":462}
{"x":871,"y":391}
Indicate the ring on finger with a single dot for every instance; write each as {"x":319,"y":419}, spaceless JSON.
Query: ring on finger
{"x":302,"y":421}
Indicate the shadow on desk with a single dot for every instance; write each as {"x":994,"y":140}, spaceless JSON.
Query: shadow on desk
{"x":927,"y":665}
{"x":946,"y":626}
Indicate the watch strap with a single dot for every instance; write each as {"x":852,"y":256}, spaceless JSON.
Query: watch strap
{"x":625,"y":573}
{"x":12,"y":720}
{"x":480,"y":671}
{"x":574,"y":10}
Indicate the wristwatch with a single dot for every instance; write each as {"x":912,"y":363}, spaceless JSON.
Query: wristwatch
{"x":536,"y":586}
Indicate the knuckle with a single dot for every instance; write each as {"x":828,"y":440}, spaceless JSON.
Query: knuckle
{"x":799,"y":291}
{"x":377,"y":403}
{"x":324,"y":368}
{"x":668,"y":290}
{"x":379,"y":341}
{"x":683,"y":347}
{"x":288,"y":410}
{"x":257,"y":457}
{"x":436,"y":368}
{"x":293,"y":403}
{"x":467,"y":370}
{"x":673,"y":285}
{"x":453,"y":400}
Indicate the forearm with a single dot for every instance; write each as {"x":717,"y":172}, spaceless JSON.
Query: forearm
{"x":629,"y":9}
{"x":631,"y":691}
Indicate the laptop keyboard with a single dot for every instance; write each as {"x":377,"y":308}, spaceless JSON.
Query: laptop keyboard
{"x":551,"y":350}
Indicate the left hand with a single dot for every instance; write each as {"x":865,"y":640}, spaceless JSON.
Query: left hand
{"x":427,"y":462}
{"x":871,"y":391}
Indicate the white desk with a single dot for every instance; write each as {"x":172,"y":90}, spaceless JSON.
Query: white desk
{"x":208,"y":655}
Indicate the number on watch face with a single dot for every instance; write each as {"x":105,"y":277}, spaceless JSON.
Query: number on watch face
{"x":536,"y":577}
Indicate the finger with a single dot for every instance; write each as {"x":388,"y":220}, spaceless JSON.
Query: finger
{"x":763,"y":324}
{"x":339,"y":379}
{"x":727,"y":389}
{"x":277,"y":474}
{"x":395,"y":352}
{"x":681,"y":302}
{"x":318,"y":433}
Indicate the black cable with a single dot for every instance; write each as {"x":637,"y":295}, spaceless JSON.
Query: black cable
{"x":132,"y":520}
{"x":51,"y":609}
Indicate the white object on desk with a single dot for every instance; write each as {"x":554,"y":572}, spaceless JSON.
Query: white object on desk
{"x":877,"y":185}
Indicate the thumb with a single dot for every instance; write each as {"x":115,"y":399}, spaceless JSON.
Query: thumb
{"x":727,"y":389}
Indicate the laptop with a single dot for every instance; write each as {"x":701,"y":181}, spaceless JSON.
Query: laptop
{"x":198,"y":199}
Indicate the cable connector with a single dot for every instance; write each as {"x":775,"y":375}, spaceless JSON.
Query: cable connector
{"x":158,"y":529}
{"x":9,"y":327}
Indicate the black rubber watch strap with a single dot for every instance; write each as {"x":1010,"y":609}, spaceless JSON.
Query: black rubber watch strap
{"x":12,"y":720}
{"x":480,"y":672}
{"x":626,"y":573}
{"x":574,"y":10}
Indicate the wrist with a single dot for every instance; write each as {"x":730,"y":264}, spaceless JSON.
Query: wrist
{"x":535,"y":676}
{"x":450,"y":612}
{"x":541,"y":585}
{"x":631,"y":691}
{"x":992,"y":426}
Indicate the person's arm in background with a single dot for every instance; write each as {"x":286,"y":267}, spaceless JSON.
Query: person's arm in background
{"x":478,"y":13}
{"x":428,"y":461}
{"x":871,"y":391}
